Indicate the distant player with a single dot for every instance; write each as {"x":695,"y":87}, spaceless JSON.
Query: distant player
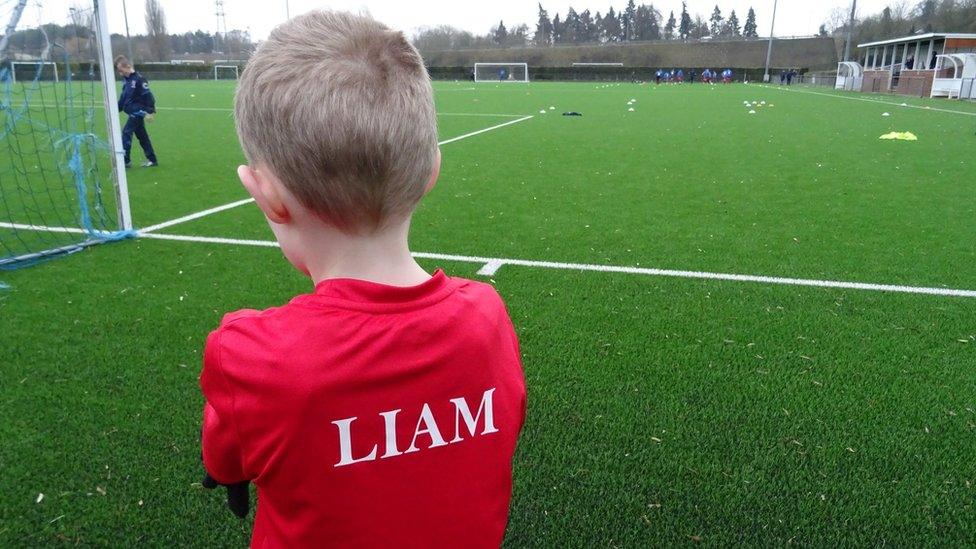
{"x":138,"y":102}
{"x":679,"y":77}
{"x":657,"y":77}
{"x":727,"y":76}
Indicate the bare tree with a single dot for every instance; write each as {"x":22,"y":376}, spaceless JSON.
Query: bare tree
{"x":156,"y":30}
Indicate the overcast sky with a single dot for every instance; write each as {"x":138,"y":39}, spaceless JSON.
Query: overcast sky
{"x":794,"y":17}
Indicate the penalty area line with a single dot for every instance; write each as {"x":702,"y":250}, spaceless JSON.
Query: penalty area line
{"x":224,"y":207}
{"x":488,"y":129}
{"x":491,"y":265}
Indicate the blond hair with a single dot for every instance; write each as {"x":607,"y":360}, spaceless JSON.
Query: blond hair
{"x":123,"y":60}
{"x":340,"y":108}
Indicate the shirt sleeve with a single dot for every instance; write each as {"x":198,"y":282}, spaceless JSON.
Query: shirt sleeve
{"x":148,"y":99}
{"x":223,"y":454}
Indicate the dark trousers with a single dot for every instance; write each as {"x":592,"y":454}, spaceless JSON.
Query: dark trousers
{"x":137,"y":125}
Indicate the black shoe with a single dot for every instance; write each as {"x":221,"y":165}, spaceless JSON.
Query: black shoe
{"x":128,"y":165}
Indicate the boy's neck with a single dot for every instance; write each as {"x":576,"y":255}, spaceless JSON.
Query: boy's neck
{"x":383,"y":258}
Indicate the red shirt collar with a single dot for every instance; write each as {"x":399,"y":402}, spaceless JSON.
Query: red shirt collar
{"x":359,"y":294}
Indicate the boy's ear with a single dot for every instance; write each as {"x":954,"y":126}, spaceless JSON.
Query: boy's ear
{"x":435,"y":173}
{"x":264,"y":189}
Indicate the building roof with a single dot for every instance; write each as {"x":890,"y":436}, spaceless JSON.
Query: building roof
{"x":917,"y":37}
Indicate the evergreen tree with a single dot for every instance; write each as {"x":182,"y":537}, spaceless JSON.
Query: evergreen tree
{"x":557,"y":30}
{"x":823,"y":30}
{"x":684,"y":28}
{"x":750,"y":30}
{"x":611,"y":27}
{"x":925,"y":11}
{"x":587,"y":31}
{"x":628,"y":20}
{"x":646,"y":23}
{"x":669,"y":27}
{"x":887,"y":27}
{"x":571,"y":27}
{"x":732,"y":25}
{"x":699,"y":28}
{"x":499,"y":34}
{"x":543,"y":29}
{"x":715,"y":22}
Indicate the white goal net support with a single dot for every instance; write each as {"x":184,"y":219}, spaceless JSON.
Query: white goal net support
{"x":226,"y":72}
{"x":501,"y":72}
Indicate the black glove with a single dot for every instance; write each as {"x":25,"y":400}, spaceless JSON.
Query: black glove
{"x":238,"y":497}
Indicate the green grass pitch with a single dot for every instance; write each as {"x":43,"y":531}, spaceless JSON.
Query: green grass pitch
{"x":662,"y":410}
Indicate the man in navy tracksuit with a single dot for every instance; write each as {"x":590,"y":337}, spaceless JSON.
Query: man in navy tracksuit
{"x":137,"y":102}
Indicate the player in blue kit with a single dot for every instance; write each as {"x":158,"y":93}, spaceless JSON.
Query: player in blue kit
{"x":138,"y":102}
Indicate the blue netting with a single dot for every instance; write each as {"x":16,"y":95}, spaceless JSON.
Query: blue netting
{"x":56,"y":177}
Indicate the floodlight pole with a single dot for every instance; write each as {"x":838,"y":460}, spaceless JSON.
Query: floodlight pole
{"x":850,"y":30}
{"x":287,"y":11}
{"x":769,"y":50}
{"x":112,"y":115}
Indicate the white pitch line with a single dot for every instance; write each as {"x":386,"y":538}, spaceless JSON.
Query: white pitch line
{"x":212,"y":240}
{"x":485,"y":114}
{"x":879,"y":101}
{"x":41,"y":228}
{"x":196,"y":215}
{"x":216,"y":209}
{"x":467,"y":135}
{"x":492,"y":264}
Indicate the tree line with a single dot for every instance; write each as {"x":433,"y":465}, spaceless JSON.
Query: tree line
{"x":902,"y":19}
{"x":635,"y":22}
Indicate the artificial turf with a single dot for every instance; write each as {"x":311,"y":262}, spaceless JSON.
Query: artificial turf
{"x":662,"y":411}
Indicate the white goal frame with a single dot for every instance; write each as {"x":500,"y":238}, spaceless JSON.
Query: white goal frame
{"x":500,"y":65}
{"x":13,"y":68}
{"x":237,"y":71}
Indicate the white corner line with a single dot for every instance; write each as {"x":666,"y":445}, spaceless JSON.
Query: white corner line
{"x":193,"y":216}
{"x":873,"y":100}
{"x":490,"y":265}
{"x":495,"y":127}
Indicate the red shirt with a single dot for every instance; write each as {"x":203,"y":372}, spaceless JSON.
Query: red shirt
{"x":369,"y":415}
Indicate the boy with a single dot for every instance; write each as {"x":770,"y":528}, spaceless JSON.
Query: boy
{"x":138,"y":102}
{"x":383,"y":408}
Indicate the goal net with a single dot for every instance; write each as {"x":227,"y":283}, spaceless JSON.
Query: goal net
{"x":226,"y":72}
{"x":501,"y":72}
{"x":59,"y":187}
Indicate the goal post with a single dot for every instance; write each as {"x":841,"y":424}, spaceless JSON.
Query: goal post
{"x":501,"y":72}
{"x":114,"y":127}
{"x":46,"y":71}
{"x":226,"y":72}
{"x":62,"y":177}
